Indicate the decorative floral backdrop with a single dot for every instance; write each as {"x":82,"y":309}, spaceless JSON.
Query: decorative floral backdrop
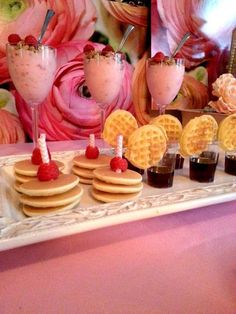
{"x":69,"y":112}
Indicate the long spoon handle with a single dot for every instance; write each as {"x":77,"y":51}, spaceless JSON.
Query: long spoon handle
{"x":129,"y":29}
{"x":48,"y":17}
{"x":181,"y":43}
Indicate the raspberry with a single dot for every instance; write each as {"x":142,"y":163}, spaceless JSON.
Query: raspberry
{"x":118,"y":163}
{"x":31,"y":40}
{"x":13,"y":39}
{"x":107,"y":49}
{"x":88,"y":48}
{"x":159,"y":56}
{"x":91,"y":152}
{"x":36,"y":158}
{"x":47,"y":172}
{"x":178,"y":56}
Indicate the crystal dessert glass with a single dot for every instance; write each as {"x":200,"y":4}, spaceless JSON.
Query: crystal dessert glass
{"x":164,"y":79}
{"x":32,"y":70}
{"x":104,"y":74}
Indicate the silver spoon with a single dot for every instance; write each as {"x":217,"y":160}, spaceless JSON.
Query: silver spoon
{"x":181,"y":43}
{"x":129,"y":29}
{"x":48,"y":17}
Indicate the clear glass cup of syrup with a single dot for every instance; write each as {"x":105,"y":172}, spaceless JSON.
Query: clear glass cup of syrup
{"x":230,"y":162}
{"x":162,"y":175}
{"x":202,"y":166}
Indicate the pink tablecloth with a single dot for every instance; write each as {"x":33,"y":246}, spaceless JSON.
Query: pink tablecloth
{"x":180,"y":263}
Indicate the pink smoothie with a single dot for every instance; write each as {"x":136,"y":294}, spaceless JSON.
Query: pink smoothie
{"x":164,"y":81}
{"x":104,"y":76}
{"x":32,"y":71}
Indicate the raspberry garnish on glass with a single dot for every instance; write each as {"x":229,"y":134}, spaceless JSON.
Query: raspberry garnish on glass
{"x":88,"y":48}
{"x":92,"y":151}
{"x":14,"y":39}
{"x":48,"y":169}
{"x":119,"y":164}
{"x":31,"y":41}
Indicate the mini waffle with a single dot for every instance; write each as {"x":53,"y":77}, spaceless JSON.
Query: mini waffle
{"x":146,"y":146}
{"x":227,"y":133}
{"x":171,"y":124}
{"x":119,"y":122}
{"x":198,"y":133}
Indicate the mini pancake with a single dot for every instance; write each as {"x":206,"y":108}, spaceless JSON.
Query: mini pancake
{"x":33,"y":211}
{"x":110,"y":197}
{"x":63,"y":183}
{"x":62,"y":199}
{"x":85,"y":180}
{"x":116,"y":188}
{"x":17,"y":186}
{"x":82,"y":172}
{"x":22,"y":179}
{"x":26,"y":168}
{"x":83,"y":162}
{"x":128,"y":177}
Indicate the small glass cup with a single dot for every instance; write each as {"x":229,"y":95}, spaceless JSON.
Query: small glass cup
{"x":179,"y":161}
{"x":202,"y":166}
{"x":162,"y":175}
{"x":230,"y":162}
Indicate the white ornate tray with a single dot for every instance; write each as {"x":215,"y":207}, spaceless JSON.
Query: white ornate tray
{"x":17,"y":230}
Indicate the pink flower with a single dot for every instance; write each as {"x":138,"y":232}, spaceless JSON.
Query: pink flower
{"x":67,"y":114}
{"x":225,"y":89}
{"x":73,"y":20}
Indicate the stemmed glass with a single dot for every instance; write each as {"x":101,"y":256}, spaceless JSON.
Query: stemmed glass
{"x":32,"y":70}
{"x":104,"y":72}
{"x":164,"y":79}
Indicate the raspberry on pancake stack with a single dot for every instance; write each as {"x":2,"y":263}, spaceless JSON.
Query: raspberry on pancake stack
{"x":83,"y":165}
{"x":115,"y":182}
{"x":50,"y":191}
{"x":26,"y":170}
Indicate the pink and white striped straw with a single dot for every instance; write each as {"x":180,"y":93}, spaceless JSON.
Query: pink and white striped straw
{"x":43,"y":148}
{"x":92,"y":140}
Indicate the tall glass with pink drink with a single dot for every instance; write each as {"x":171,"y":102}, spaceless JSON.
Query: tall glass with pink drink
{"x":32,"y":69}
{"x":164,"y":78}
{"x":104,"y":72}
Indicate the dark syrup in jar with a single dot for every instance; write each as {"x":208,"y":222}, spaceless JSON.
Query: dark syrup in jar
{"x":230,"y":164}
{"x":202,"y":168}
{"x":179,"y":162}
{"x":160,"y":177}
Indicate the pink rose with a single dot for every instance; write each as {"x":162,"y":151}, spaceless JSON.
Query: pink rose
{"x":73,"y":20}
{"x":224,"y":88}
{"x":67,"y":114}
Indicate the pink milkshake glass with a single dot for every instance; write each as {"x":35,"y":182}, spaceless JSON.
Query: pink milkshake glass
{"x":104,"y":74}
{"x":164,"y":79}
{"x":32,"y":70}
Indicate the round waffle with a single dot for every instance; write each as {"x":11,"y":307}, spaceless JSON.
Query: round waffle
{"x":171,"y":124}
{"x":227,"y":133}
{"x":146,"y":146}
{"x":198,"y":133}
{"x":119,"y":122}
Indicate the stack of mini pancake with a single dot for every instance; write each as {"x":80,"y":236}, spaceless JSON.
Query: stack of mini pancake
{"x":84,"y":167}
{"x":26,"y":171}
{"x":42,"y":197}
{"x":110,"y":186}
